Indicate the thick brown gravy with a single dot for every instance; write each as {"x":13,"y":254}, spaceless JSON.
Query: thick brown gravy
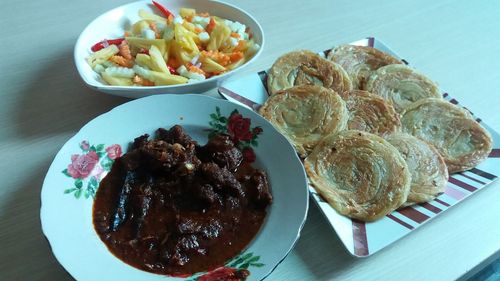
{"x":170,"y":206}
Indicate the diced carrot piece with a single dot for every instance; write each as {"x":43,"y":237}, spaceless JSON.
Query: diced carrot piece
{"x":204,"y":14}
{"x":189,"y":18}
{"x":211,"y":25}
{"x":125,"y":50}
{"x":235,"y":35}
{"x":121,"y":61}
{"x":126,"y":34}
{"x":198,"y":30}
{"x":173,"y":62}
{"x":240,"y":47}
{"x":217,"y":56}
{"x":195,"y":69}
{"x":170,"y":19}
{"x":153,"y":27}
{"x":142,"y":81}
{"x":236,"y":56}
{"x":146,"y":82}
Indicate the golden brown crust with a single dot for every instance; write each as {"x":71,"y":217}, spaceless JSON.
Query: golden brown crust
{"x":305,"y":114}
{"x":370,"y":113}
{"x":401,"y":85}
{"x":360,"y":174}
{"x":360,"y":61}
{"x":429,"y":173}
{"x":306,"y":68}
{"x":461,"y":140}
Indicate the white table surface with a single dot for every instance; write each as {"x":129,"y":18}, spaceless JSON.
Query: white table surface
{"x":43,"y":103}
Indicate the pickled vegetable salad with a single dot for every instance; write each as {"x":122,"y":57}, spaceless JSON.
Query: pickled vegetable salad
{"x":169,"y":49}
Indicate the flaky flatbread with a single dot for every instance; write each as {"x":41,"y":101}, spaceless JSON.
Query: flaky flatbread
{"x":306,"y":68}
{"x":305,"y":114}
{"x":360,"y":174}
{"x":370,"y":113}
{"x":359,"y":62}
{"x":401,"y":85}
{"x":429,"y":173}
{"x":462,"y":141}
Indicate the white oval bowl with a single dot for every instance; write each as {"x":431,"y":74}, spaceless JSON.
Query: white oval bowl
{"x":115,"y":22}
{"x":67,"y":221}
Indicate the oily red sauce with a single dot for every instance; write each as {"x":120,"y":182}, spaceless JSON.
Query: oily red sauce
{"x":170,"y":206}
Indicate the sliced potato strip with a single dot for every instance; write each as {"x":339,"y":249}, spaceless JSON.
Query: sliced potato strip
{"x":209,"y":65}
{"x":157,"y":61}
{"x":116,"y":81}
{"x":143,"y":60}
{"x":149,"y":16}
{"x":147,"y":43}
{"x":186,"y":12}
{"x":220,"y":34}
{"x":102,"y":55}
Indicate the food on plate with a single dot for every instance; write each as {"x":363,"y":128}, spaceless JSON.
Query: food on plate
{"x":370,"y":113}
{"x":306,"y":68}
{"x":359,"y":174}
{"x":170,"y":49}
{"x":305,"y":114}
{"x":429,"y":174}
{"x":401,"y":85}
{"x":360,"y":61}
{"x":460,"y":139}
{"x":348,"y":161}
{"x":171,"y":206}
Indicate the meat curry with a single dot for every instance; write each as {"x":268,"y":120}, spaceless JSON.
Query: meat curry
{"x":170,"y":206}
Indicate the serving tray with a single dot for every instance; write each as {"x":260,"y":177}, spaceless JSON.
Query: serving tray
{"x":363,"y":239}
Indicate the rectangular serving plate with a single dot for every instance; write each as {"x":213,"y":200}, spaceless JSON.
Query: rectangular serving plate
{"x":363,"y":239}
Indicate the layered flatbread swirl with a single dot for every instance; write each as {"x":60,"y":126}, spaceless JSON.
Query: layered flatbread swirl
{"x":370,"y":113}
{"x":360,"y":174}
{"x":305,"y":114}
{"x":401,"y":85}
{"x":306,"y":68}
{"x":461,"y":140}
{"x":360,"y":61}
{"x":428,"y":170}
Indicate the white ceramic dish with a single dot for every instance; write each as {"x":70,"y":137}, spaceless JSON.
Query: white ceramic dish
{"x":113,"y":24}
{"x":364,"y":239}
{"x":66,"y":211}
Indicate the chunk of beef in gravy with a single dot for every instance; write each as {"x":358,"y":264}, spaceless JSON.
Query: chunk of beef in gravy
{"x":221,"y":150}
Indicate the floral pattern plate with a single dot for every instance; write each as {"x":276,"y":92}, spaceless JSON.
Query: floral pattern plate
{"x":74,"y":176}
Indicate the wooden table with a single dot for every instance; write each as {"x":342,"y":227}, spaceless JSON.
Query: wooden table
{"x":44,"y":102}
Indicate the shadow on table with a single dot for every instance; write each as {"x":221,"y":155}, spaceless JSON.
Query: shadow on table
{"x":23,"y":244}
{"x":325,"y":255}
{"x":54,"y":102}
{"x":57,"y":101}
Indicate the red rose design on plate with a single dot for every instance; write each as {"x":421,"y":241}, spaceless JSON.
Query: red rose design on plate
{"x":225,"y":274}
{"x":248,"y":154}
{"x":82,"y":165}
{"x":98,"y":172}
{"x":114,"y":151}
{"x":85,"y":145}
{"x":257,"y":130}
{"x":239,"y":128}
{"x":90,"y":167}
